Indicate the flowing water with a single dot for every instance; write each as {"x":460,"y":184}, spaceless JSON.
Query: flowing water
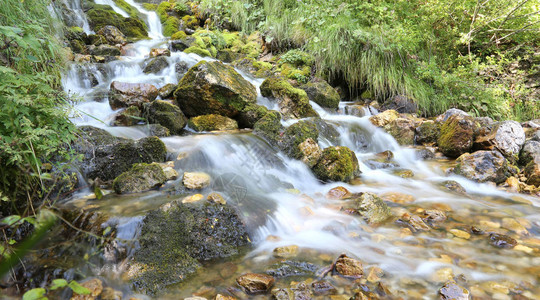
{"x":284,"y":204}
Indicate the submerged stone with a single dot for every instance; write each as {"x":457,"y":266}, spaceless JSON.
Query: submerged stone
{"x":452,"y":291}
{"x":255,"y":283}
{"x":139,"y":178}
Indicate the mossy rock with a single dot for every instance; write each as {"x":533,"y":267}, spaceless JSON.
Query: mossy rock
{"x":456,"y":135}
{"x":269,"y":127}
{"x":293,"y":102}
{"x":254,"y":67}
{"x":212,"y":122}
{"x":140,"y":178}
{"x":190,"y":22}
{"x":106,"y":156}
{"x":179,"y":35}
{"x":100,"y":16}
{"x":337,"y":164}
{"x":322,"y":93}
{"x":166,"y":114}
{"x":214,"y":88}
{"x":228,"y":56}
{"x":372,"y":208}
{"x":250,"y":114}
{"x":156,"y":65}
{"x":300,"y":74}
{"x":402,"y":130}
{"x":105,"y":50}
{"x":177,"y":238}
{"x":427,"y":133}
{"x":199,"y":51}
{"x":128,"y":117}
{"x":296,"y":134}
{"x":171,"y":26}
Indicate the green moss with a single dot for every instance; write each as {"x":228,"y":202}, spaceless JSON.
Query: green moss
{"x":150,"y":6}
{"x":166,"y":114}
{"x":130,"y":10}
{"x":296,"y":100}
{"x":322,"y":93}
{"x":250,"y":114}
{"x":269,"y":127}
{"x":230,"y":38}
{"x":190,"y":21}
{"x":140,"y":177}
{"x":296,"y":58}
{"x":198,"y":51}
{"x":296,"y":134}
{"x":212,"y":122}
{"x":102,"y":15}
{"x":179,"y":35}
{"x":211,"y":38}
{"x":171,"y":26}
{"x":300,"y":74}
{"x":456,"y":136}
{"x":163,"y":9}
{"x":336,"y":164}
{"x":76,"y":29}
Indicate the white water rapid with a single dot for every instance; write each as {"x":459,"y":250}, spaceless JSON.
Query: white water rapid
{"x":284,"y":204}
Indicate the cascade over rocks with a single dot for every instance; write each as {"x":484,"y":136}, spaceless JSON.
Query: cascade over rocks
{"x":156,"y":65}
{"x":177,"y":238}
{"x":508,"y":137}
{"x":293,"y":103}
{"x":123,"y":94}
{"x":165,"y":114}
{"x":484,"y":166}
{"x":214,"y":88}
{"x":105,"y":50}
{"x":295,"y":135}
{"x":106,"y":156}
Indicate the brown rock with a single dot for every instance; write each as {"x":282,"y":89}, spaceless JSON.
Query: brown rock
{"x":384,"y":118}
{"x":196,"y":180}
{"x":311,"y":152}
{"x":338,"y":193}
{"x":255,"y":283}
{"x":502,"y":241}
{"x":155,"y":52}
{"x":349,"y":267}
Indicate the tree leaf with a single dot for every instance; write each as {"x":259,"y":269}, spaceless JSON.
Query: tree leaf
{"x":77,"y":288}
{"x":11,"y":220}
{"x":35,"y":294}
{"x":58,"y":283}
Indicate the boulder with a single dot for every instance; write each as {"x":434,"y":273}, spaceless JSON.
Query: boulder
{"x":105,"y":50}
{"x":296,"y":134}
{"x":427,"y":133}
{"x":165,"y":114}
{"x":255,"y":283}
{"x":322,"y":93}
{"x":452,"y":291}
{"x":483,"y":166}
{"x":508,"y":137}
{"x":250,"y":114}
{"x":156,"y":65}
{"x":337,"y":164}
{"x":123,"y":94}
{"x":196,"y":180}
{"x":269,"y":127}
{"x":99,"y":16}
{"x":449,"y":113}
{"x":384,"y":118}
{"x":530,"y":151}
{"x":456,"y":135}
{"x":401,"y":104}
{"x":211,"y":123}
{"x":402,"y":130}
{"x":177,"y":238}
{"x":167,"y":91}
{"x":532,"y":172}
{"x":348,"y":267}
{"x":372,"y":208}
{"x":310,"y":152}
{"x":293,"y":103}
{"x":106,"y":156}
{"x":141,"y":177}
{"x":214,"y":88}
{"x":128,"y":117}
{"x":112,"y":35}
{"x":157,"y":130}
{"x":155,"y":52}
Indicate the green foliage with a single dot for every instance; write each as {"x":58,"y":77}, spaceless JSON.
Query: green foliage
{"x":40,"y":293}
{"x":297,"y":58}
{"x":436,"y":53}
{"x":33,"y":129}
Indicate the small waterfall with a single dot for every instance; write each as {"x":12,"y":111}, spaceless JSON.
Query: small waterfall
{"x":114,"y":7}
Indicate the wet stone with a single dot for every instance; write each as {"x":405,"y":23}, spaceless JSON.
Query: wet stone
{"x":223,"y":297}
{"x":292,"y":268}
{"x":196,"y":180}
{"x":286,"y":251}
{"x":338,"y":193}
{"x":280,"y":294}
{"x":433,"y":216}
{"x":502,"y":241}
{"x":414,"y":222}
{"x":322,"y":287}
{"x":255,"y":283}
{"x":348,"y":267}
{"x":302,"y":292}
{"x":451,"y":290}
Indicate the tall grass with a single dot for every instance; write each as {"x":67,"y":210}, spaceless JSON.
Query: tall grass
{"x":392,"y":47}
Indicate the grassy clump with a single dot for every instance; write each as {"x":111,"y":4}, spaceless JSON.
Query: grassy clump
{"x":439,"y":54}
